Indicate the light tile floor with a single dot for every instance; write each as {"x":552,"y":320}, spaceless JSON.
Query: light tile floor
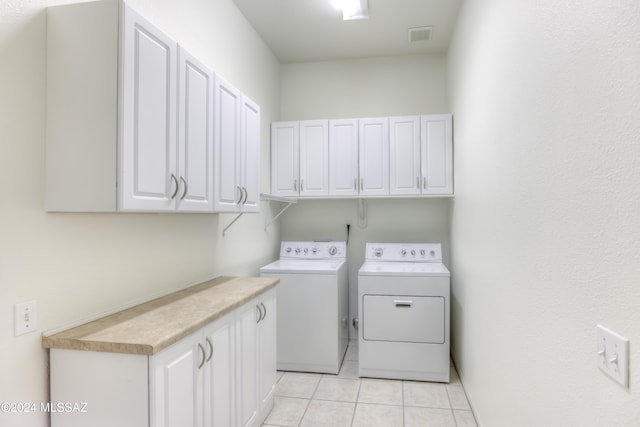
{"x":319,"y":400}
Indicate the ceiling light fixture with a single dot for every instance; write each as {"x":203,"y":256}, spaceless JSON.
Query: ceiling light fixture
{"x":352,"y":9}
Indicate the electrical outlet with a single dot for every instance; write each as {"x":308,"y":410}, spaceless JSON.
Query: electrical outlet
{"x":25,"y":317}
{"x":613,"y":355}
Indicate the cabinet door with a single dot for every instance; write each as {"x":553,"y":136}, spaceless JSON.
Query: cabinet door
{"x":195,"y":130}
{"x":227,"y":191}
{"x":218,"y":373}
{"x":404,"y":155}
{"x":247,"y":359}
{"x":374,"y":156}
{"x":250,"y":164}
{"x":285,"y":160}
{"x":437,"y":154}
{"x":343,"y":157}
{"x":147,"y":154}
{"x":314,"y":158}
{"x":176,"y":400}
{"x":267,"y":352}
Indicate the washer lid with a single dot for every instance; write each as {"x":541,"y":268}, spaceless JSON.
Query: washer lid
{"x":288,"y":266}
{"x":419,"y":269}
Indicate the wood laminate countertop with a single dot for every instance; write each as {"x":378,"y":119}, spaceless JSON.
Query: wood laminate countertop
{"x":152,"y":326}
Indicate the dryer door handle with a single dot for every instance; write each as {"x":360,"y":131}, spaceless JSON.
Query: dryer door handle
{"x":402,"y":303}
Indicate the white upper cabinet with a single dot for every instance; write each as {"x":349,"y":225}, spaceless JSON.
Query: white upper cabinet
{"x":147,"y":151}
{"x":132,"y":120}
{"x":374,"y":156}
{"x":314,"y":158}
{"x":228,"y":193}
{"x":237,"y":150}
{"x":343,"y":157}
{"x":250,"y":157}
{"x":436,"y":145}
{"x":404,"y":155}
{"x":195,"y":135}
{"x":300,"y":158}
{"x":285,"y":158}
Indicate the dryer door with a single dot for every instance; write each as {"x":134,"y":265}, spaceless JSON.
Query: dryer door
{"x":398,"y":318}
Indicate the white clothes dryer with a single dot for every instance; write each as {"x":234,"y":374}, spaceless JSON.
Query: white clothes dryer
{"x":403,"y":310}
{"x":312,"y":306}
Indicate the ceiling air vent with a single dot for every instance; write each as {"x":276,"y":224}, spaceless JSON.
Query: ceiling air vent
{"x":420,"y":34}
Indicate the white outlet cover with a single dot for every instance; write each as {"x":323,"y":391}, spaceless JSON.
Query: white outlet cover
{"x":25,"y":317}
{"x":614,"y":361}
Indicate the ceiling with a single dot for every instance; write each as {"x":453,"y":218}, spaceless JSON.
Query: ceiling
{"x":313,"y":30}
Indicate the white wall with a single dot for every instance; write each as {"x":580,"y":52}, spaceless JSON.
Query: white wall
{"x":545,"y":226}
{"x":77,"y":265}
{"x":388,"y":86}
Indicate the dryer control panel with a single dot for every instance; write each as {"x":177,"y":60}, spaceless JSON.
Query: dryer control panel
{"x":404,"y":252}
{"x":313,"y":250}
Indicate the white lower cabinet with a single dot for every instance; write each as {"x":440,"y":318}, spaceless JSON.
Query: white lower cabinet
{"x":222,"y":375}
{"x":191,"y":381}
{"x":256,"y":332}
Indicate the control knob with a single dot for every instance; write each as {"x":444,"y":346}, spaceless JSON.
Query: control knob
{"x":333,"y":250}
{"x":306,"y":250}
{"x":297,"y":250}
{"x":289,"y":250}
{"x":403,"y":252}
{"x":413,"y":252}
{"x":314,"y":250}
{"x":378,"y":252}
{"x":422,"y":252}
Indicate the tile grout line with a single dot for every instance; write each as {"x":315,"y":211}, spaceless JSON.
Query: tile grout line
{"x":310,"y":400}
{"x":355,"y":407}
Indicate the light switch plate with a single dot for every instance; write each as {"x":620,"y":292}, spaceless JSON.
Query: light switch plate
{"x":613,"y":355}
{"x":25,"y":317}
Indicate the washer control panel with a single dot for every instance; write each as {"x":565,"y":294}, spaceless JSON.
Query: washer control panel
{"x":313,"y":250}
{"x":404,"y":252}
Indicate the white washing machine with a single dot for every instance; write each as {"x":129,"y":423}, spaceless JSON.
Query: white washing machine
{"x":403,"y":310}
{"x":312,"y":306}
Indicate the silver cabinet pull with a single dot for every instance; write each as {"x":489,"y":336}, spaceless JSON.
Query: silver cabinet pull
{"x":246,"y":195}
{"x":239,"y":198}
{"x":361,"y":184}
{"x":402,"y":303}
{"x":418,"y":182}
{"x":265,"y":311}
{"x":175,"y":181}
{"x":302,"y":185}
{"x":259,"y":313}
{"x":355,"y":184}
{"x":186,"y":188}
{"x":424,"y":182}
{"x":295,"y":185}
{"x":210,"y":344}
{"x":203,"y":356}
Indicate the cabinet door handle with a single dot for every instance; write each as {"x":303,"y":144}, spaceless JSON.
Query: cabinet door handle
{"x":203,"y":355}
{"x":355,"y":184}
{"x":403,"y":303}
{"x":239,"y":198}
{"x":175,"y":181}
{"x":418,"y":182}
{"x":295,"y":185}
{"x":424,"y":182}
{"x":361,"y":184}
{"x":302,"y":185}
{"x":210,"y":344}
{"x":259,"y":313}
{"x":186,"y":188}
{"x":246,"y":195}
{"x":265,"y":311}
